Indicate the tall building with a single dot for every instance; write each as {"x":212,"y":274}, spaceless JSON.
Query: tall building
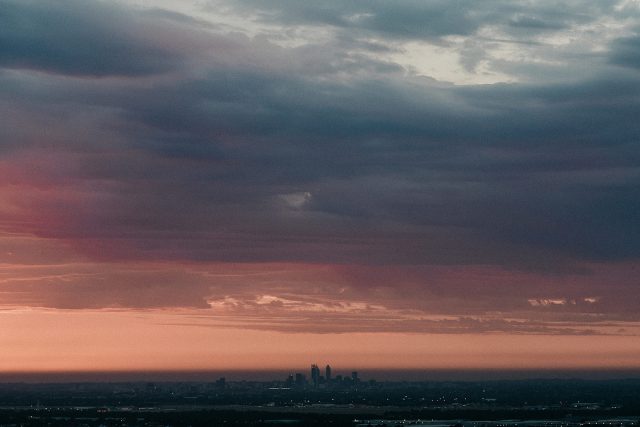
{"x":354,"y":377}
{"x":300,"y":380}
{"x":327,"y":373}
{"x":315,"y":375}
{"x":221,"y":382}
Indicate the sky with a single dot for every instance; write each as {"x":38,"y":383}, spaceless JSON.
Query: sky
{"x":210,"y":184}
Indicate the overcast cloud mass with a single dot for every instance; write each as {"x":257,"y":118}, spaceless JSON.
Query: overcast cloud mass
{"x":316,"y":166}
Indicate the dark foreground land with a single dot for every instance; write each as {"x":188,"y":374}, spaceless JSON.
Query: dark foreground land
{"x":531,"y":403}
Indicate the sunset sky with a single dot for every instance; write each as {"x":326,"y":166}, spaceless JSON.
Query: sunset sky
{"x":242,"y":184}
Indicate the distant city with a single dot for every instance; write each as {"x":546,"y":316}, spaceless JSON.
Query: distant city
{"x":319,"y":381}
{"x":315,"y":380}
{"x":321,"y":397}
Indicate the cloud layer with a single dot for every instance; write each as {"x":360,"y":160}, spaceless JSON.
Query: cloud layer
{"x":147,"y":145}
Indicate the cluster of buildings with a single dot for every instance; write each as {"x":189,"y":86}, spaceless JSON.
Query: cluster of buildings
{"x":319,"y":380}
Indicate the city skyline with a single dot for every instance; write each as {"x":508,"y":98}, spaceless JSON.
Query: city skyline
{"x":213,"y":185}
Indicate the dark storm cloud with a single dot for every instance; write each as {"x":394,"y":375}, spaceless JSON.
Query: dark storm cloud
{"x":549,"y":166}
{"x":81,"y":38}
{"x":545,"y":170}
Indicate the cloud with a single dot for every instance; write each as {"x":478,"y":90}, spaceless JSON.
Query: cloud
{"x":537,"y":173}
{"x":82,"y":286}
{"x":238,"y":148}
{"x":625,"y":51}
{"x":316,"y":298}
{"x":296,"y":200}
{"x":410,"y":18}
{"x":87,"y":38}
{"x":420,"y":20}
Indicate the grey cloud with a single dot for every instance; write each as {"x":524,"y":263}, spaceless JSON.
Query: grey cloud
{"x":429,"y":20}
{"x":532,"y":22}
{"x":626,"y":52}
{"x":409,"y":19}
{"x":479,"y":32}
{"x":81,"y":38}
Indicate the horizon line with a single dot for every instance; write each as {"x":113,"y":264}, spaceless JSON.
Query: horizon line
{"x":264,"y":375}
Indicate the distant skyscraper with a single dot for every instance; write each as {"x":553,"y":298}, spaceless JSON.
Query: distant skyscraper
{"x":315,"y":375}
{"x":221,"y":382}
{"x":300,"y":380}
{"x":354,"y":376}
{"x":327,"y":373}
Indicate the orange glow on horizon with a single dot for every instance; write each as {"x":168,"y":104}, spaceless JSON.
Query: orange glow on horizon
{"x":54,"y":340}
